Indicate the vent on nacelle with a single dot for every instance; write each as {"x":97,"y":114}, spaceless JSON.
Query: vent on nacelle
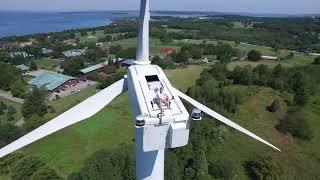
{"x":153,"y":78}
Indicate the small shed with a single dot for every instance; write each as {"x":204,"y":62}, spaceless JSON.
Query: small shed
{"x":23,"y":68}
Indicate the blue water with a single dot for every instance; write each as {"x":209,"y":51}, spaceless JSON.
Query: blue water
{"x":24,"y":23}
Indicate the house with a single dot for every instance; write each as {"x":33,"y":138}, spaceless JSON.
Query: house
{"x":104,"y":67}
{"x":53,"y":81}
{"x":167,"y":51}
{"x":46,"y":51}
{"x":73,"y":53}
{"x":269,"y":58}
{"x":70,"y":42}
{"x":8,"y":45}
{"x":20,"y":54}
{"x":25,"y":44}
{"x":23,"y":68}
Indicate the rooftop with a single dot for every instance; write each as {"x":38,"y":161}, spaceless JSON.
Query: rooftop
{"x":94,"y":67}
{"x":50,"y":80}
{"x":46,"y":51}
{"x":74,"y":53}
{"x":23,"y":54}
{"x":22,"y":67}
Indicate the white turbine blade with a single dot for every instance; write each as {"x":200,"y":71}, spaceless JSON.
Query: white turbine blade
{"x":80,"y":112}
{"x":143,"y":37}
{"x":222,"y":118}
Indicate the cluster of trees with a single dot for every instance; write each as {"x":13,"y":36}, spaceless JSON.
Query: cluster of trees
{"x":34,"y":107}
{"x":117,"y":163}
{"x":299,"y":81}
{"x":11,"y":80}
{"x":280,"y":78}
{"x":223,"y":51}
{"x":107,"y":81}
{"x":287,"y":33}
{"x":163,"y":63}
{"x":20,"y":166}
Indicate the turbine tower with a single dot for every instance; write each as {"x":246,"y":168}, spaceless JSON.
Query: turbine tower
{"x":160,"y":119}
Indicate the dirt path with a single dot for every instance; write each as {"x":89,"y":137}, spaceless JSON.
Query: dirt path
{"x":7,"y":95}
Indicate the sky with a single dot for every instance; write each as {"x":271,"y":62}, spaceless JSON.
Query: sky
{"x":246,"y":6}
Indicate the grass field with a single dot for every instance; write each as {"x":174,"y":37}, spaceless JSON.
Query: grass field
{"x":155,"y":45}
{"x":67,"y":149}
{"x":17,"y":106}
{"x":297,"y":158}
{"x":47,"y":63}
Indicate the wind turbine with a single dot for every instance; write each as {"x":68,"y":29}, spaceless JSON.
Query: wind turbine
{"x":161,"y":120}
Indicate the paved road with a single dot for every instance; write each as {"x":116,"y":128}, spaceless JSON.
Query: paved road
{"x":7,"y":95}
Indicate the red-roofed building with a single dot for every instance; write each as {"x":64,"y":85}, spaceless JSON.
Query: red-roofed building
{"x":167,"y":51}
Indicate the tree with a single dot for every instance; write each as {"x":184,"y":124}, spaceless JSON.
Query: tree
{"x":33,"y":66}
{"x":295,"y":123}
{"x":12,"y":110}
{"x":74,"y":66}
{"x":9,"y":133}
{"x":316,"y":61}
{"x":224,"y":52}
{"x":8,"y":74}
{"x":220,"y":134}
{"x":198,"y":165}
{"x":18,"y":88}
{"x":114,"y":49}
{"x":254,"y":55}
{"x":33,"y":122}
{"x":35,"y":102}
{"x":263,"y":168}
{"x":275,"y":106}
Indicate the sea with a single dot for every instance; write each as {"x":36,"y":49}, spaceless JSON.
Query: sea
{"x":13,"y":23}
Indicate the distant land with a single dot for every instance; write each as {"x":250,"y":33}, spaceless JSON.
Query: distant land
{"x":16,"y":23}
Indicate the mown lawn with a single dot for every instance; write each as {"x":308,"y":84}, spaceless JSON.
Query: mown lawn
{"x":47,"y":63}
{"x":67,"y":149}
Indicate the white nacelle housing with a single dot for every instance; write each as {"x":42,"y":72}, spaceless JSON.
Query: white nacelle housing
{"x":166,"y":128}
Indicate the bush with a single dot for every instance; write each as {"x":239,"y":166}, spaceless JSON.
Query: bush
{"x":1,"y":111}
{"x":254,"y":55}
{"x":33,"y":122}
{"x":45,"y":173}
{"x":275,"y":106}
{"x":222,"y":169}
{"x":316,"y":61}
{"x":10,"y":117}
{"x":295,"y":124}
{"x":301,"y":99}
{"x":3,"y":106}
{"x":9,"y":161}
{"x":26,"y":167}
{"x":12,"y":110}
{"x":263,"y":168}
{"x":9,"y":133}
